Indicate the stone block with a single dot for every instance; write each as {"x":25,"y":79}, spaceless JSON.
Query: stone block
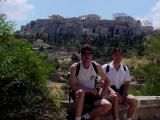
{"x":148,"y":108}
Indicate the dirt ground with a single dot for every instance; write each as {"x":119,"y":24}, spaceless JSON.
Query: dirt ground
{"x":55,"y":84}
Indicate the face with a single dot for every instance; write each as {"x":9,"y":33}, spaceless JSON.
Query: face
{"x":117,"y":57}
{"x":87,"y":56}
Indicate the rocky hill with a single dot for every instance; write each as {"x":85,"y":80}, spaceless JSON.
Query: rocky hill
{"x":123,"y":31}
{"x":87,"y":24}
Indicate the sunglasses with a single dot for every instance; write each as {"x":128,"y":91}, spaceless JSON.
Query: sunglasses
{"x":87,"y":53}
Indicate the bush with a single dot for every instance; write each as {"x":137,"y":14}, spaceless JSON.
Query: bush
{"x":23,"y":84}
{"x":150,"y":75}
{"x":22,"y":80}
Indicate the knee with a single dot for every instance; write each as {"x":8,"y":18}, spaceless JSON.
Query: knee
{"x":133,"y":102}
{"x":80,"y":93}
{"x":107,"y":106}
{"x":115,"y":98}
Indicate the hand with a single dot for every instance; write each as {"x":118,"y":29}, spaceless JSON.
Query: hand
{"x":103,"y":92}
{"x":113,"y":93}
{"x":94,"y":91}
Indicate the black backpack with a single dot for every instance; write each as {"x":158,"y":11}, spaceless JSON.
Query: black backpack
{"x":77,"y":72}
{"x":78,"y":67}
{"x":108,"y":67}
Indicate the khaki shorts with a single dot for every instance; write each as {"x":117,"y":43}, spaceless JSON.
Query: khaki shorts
{"x":107,"y":95}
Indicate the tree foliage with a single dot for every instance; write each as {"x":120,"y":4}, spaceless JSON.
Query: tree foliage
{"x":149,"y":73}
{"x":153,"y":49}
{"x":23,"y":78}
{"x":6,"y":29}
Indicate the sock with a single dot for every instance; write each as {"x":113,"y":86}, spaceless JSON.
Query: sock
{"x":128,"y":118}
{"x":78,"y":118}
{"x":86,"y":116}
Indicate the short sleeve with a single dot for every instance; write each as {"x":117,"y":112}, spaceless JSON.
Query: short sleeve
{"x":104,"y":68}
{"x":127,"y":75}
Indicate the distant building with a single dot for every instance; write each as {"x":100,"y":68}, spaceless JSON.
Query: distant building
{"x":90,"y":17}
{"x":55,"y":17}
{"x":40,"y":43}
{"x":116,"y":15}
{"x":147,"y":23}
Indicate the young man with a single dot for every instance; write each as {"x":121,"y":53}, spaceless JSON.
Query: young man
{"x":119,"y":79}
{"x":83,"y":86}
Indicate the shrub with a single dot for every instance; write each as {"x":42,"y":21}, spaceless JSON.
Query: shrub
{"x":22,"y":80}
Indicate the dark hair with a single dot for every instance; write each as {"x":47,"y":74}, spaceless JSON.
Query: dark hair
{"x":86,"y":47}
{"x":117,"y":50}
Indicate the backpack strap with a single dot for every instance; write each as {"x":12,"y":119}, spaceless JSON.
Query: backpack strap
{"x":124,"y":67}
{"x":78,"y":68}
{"x":107,"y":68}
{"x":94,"y":66}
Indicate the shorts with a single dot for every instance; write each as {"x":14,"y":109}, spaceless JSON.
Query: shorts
{"x":89,"y":98}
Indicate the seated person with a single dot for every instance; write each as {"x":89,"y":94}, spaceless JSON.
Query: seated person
{"x":83,"y":86}
{"x":119,"y":78}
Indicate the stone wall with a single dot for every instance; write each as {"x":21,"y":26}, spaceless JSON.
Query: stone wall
{"x":148,"y":108}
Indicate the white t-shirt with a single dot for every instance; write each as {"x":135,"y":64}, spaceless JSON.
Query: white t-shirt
{"x":117,"y":78}
{"x":86,"y":77}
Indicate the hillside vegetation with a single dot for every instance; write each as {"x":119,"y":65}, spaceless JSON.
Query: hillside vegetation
{"x":23,"y":80}
{"x":103,"y":34}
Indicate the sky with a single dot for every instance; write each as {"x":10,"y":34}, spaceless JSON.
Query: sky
{"x":22,"y":12}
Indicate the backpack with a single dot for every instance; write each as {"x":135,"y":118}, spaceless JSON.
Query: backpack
{"x":78,"y":67}
{"x":108,"y":67}
{"x":77,"y":72}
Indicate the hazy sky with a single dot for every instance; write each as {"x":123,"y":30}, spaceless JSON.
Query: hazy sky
{"x":23,"y":11}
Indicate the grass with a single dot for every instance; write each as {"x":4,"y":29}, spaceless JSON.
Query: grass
{"x":135,"y":62}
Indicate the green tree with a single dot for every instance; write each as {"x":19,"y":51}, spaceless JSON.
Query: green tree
{"x":6,"y":29}
{"x":150,"y":73}
{"x":153,"y":49}
{"x":23,"y":79}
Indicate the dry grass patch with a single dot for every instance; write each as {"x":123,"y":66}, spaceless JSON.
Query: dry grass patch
{"x":135,"y":62}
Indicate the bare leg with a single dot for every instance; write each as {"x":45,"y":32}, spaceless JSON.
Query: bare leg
{"x":101,"y":107}
{"x":80,"y":94}
{"x":132,"y":105}
{"x":115,"y":103}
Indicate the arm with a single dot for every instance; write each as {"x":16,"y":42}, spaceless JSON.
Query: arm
{"x":73,"y":79}
{"x":126,"y":82}
{"x":126,"y":85}
{"x":111,"y":91}
{"x":103,"y":77}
